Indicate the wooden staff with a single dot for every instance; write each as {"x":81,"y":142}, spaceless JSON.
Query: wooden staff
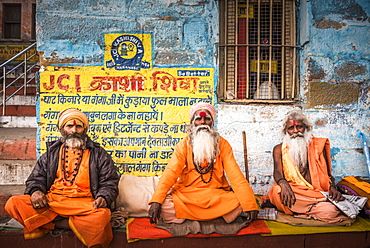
{"x":245,"y":156}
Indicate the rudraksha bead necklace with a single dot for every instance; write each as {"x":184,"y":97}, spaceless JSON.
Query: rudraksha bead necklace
{"x":202,"y":171}
{"x":70,"y":176}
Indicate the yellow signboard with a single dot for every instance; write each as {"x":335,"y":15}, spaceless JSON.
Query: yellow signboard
{"x":138,"y":117}
{"x":9,"y":51}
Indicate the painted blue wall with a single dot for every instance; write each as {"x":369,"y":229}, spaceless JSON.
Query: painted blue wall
{"x":72,"y":32}
{"x":334,"y":40}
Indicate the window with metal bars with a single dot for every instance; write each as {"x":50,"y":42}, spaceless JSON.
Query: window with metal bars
{"x":257,"y":51}
{"x":12,"y":21}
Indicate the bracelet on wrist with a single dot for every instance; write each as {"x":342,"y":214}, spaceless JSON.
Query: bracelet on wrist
{"x":278,"y":181}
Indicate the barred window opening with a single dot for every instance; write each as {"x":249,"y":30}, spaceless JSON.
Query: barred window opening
{"x":257,"y":51}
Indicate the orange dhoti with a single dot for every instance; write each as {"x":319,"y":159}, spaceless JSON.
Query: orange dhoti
{"x":91,"y":225}
{"x":309,"y":201}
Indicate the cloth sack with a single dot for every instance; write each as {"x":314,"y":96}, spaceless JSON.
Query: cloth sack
{"x":135,"y":193}
{"x":351,"y":188}
{"x":350,"y":206}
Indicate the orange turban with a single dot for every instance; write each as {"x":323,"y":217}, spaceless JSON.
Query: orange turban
{"x":72,"y":114}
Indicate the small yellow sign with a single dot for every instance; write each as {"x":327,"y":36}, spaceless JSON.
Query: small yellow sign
{"x":9,"y":51}
{"x":264,"y":66}
{"x":128,"y":51}
{"x":242,"y":11}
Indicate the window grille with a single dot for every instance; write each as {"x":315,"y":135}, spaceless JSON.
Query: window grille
{"x":257,"y":51}
{"x":12,"y":21}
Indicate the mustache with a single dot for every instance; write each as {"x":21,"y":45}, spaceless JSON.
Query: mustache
{"x":204,"y":128}
{"x":80,"y":136}
{"x":295,"y":135}
{"x":75,"y":135}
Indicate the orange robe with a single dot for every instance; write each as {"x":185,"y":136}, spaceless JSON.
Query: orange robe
{"x":308,"y":194}
{"x":73,"y":201}
{"x":196,"y":200}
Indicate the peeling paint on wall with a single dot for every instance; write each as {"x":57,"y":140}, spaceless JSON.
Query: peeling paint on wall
{"x":328,"y":94}
{"x":350,"y":69}
{"x":330,"y":24}
{"x":315,"y":71}
{"x":347,"y":9}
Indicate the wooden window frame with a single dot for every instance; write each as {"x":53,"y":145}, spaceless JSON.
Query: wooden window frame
{"x":10,"y":22}
{"x":257,"y":80}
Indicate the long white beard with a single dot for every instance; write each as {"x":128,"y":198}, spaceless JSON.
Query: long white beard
{"x":298,"y":148}
{"x":204,"y":144}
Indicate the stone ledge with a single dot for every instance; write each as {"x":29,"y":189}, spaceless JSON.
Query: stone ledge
{"x":18,"y":121}
{"x":18,"y":149}
{"x":15,"y":172}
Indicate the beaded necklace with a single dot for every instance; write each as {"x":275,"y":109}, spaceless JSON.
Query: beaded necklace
{"x":70,"y":176}
{"x":202,"y":171}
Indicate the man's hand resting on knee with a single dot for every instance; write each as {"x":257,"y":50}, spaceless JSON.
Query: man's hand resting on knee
{"x":39,"y":200}
{"x":154,"y":212}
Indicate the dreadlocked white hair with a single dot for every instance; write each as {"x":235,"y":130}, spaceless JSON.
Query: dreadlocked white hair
{"x":298,"y":116}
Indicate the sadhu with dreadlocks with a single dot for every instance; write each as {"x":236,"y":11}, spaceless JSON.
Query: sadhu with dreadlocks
{"x":195,"y":177}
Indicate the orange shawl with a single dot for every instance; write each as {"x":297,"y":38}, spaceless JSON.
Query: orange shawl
{"x":318,"y":167}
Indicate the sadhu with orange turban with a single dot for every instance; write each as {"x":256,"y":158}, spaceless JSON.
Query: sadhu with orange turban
{"x":73,"y":184}
{"x":196,"y":176}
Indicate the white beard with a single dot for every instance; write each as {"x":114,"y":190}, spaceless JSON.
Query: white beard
{"x":73,"y":140}
{"x":298,"y":148}
{"x":204,"y":144}
{"x":75,"y":143}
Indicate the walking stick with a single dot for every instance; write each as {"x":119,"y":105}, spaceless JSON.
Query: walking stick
{"x":245,"y":156}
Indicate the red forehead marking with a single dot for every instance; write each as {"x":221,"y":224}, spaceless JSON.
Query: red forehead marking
{"x":202,"y":114}
{"x":74,"y":122}
{"x":294,"y":123}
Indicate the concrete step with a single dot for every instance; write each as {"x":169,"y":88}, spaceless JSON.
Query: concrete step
{"x":17,"y":134}
{"x":18,"y":143}
{"x":8,"y":121}
{"x":20,"y":111}
{"x":17,"y":155}
{"x":20,"y":105}
{"x":20,"y":100}
{"x":6,"y":191}
{"x":31,"y":88}
{"x":12,"y":189}
{"x":15,"y":172}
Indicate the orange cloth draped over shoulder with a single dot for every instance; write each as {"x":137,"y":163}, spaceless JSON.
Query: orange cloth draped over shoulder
{"x":71,"y":200}
{"x":318,"y":167}
{"x":196,"y":200}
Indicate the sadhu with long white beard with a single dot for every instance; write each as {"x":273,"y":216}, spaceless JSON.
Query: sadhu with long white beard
{"x":195,"y":176}
{"x":302,"y":168}
{"x":75,"y":179}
